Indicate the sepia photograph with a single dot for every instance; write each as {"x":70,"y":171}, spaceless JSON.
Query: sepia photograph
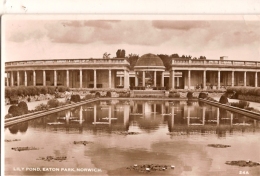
{"x":130,"y":95}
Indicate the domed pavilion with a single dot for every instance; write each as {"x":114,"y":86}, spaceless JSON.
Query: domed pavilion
{"x":149,"y":70}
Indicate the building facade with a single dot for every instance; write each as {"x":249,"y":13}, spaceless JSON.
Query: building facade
{"x":149,"y":73}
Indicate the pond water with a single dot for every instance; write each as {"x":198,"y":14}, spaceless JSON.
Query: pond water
{"x":167,"y":133}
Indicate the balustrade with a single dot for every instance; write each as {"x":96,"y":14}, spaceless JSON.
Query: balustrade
{"x":215,"y":62}
{"x":76,"y":61}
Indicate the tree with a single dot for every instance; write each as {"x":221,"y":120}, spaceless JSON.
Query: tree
{"x":132,"y":59}
{"x":122,"y":55}
{"x":202,"y":58}
{"x":167,"y":60}
{"x":118,"y":53}
{"x":106,"y":55}
{"x":175,"y":55}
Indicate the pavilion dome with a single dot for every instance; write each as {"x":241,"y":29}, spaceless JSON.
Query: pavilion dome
{"x":149,"y":59}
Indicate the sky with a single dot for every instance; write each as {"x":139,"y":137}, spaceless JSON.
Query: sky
{"x":55,"y":37}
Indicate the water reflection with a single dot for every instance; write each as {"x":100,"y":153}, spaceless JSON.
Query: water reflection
{"x":186,"y":117}
{"x":173,"y":132}
{"x":20,"y":127}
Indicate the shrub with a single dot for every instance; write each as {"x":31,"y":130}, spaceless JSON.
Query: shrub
{"x":7,"y":92}
{"x":63,"y":89}
{"x":53,"y":103}
{"x":51,"y":90}
{"x":223,"y":99}
{"x":108,"y":94}
{"x":75,"y":98}
{"x":13,"y":92}
{"x":190,"y":95}
{"x":23,"y":107}
{"x":32,"y":90}
{"x":42,"y":107}
{"x":15,"y":110}
{"x":44,"y":90}
{"x":97,"y":94}
{"x":174,"y":95}
{"x":203,"y":95}
{"x":20,"y":90}
{"x":7,"y":116}
{"x":88,"y":96}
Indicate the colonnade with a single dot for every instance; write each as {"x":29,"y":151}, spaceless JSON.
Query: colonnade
{"x":68,"y":72}
{"x":189,"y":72}
{"x":125,"y":77}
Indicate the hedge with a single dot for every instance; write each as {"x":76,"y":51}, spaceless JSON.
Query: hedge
{"x":255,"y":91}
{"x":32,"y":90}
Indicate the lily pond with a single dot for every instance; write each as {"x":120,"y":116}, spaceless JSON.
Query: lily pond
{"x":134,"y":137}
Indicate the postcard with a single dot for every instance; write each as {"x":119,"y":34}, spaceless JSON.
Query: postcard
{"x":131,"y":94}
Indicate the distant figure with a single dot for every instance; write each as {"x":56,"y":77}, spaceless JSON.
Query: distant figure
{"x":201,"y":86}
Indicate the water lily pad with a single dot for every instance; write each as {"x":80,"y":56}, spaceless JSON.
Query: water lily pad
{"x":218,"y":145}
{"x":243,"y":163}
{"x":24,"y":148}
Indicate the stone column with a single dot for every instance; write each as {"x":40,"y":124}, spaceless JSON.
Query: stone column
{"x":189,"y":79}
{"x":55,"y":77}
{"x":173,"y":79}
{"x":204,"y":80}
{"x":154,"y":80}
{"x":18,"y":78}
{"x":109,"y":78}
{"x":256,"y":80}
{"x":95,"y":78}
{"x":68,"y":78}
{"x":126,"y":80}
{"x":143,"y":78}
{"x":218,"y":79}
{"x":34,"y":78}
{"x":25,"y":78}
{"x":162,"y":83}
{"x":44,"y":77}
{"x":7,"y":79}
{"x":80,"y":78}
{"x":136,"y":79}
{"x":12,"y":78}
{"x":245,"y":78}
{"x":233,"y":78}
{"x":120,"y":79}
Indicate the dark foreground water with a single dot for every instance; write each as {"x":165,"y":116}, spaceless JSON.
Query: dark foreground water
{"x":168,"y":133}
